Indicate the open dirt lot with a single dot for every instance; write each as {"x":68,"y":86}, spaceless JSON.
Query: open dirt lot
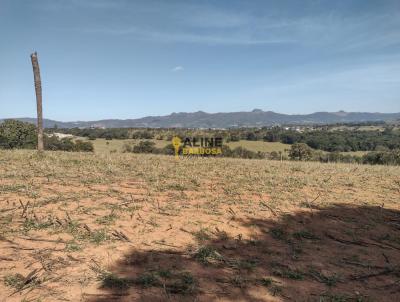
{"x":126,"y":227}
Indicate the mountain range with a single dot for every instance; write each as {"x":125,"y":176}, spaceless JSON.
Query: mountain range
{"x":200,"y":119}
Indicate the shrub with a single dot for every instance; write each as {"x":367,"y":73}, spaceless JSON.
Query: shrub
{"x":82,"y":146}
{"x":300,"y":151}
{"x":53,"y":143}
{"x":92,"y":136}
{"x":382,"y":158}
{"x":145,"y":147}
{"x":168,"y":150}
{"x":66,"y":144}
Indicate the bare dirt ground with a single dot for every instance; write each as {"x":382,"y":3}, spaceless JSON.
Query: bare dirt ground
{"x":124,"y":227}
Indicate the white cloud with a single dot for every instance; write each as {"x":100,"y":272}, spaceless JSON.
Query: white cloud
{"x":58,"y":5}
{"x":190,"y":37}
{"x":180,"y":22}
{"x":177,"y":69}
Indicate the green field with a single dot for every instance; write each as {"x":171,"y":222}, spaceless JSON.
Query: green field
{"x":260,"y":146}
{"x":102,"y":145}
{"x":355,"y":153}
{"x":116,"y":145}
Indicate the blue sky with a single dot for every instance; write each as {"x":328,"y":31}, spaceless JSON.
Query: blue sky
{"x":128,"y":59}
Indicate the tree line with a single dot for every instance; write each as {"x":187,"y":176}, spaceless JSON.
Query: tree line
{"x":323,"y":144}
{"x":321,"y":138}
{"x":297,"y":152}
{"x":19,"y":135}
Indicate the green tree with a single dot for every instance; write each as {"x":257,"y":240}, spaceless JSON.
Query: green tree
{"x":145,"y":147}
{"x":67,"y":144}
{"x":300,"y":151}
{"x":16,"y":134}
{"x":81,"y":146}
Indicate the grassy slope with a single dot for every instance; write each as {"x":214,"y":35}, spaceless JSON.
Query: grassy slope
{"x":116,"y":145}
{"x":260,"y":146}
{"x":102,"y":145}
{"x":215,"y":229}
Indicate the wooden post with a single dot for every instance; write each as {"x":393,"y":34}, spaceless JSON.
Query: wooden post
{"x":38,"y":90}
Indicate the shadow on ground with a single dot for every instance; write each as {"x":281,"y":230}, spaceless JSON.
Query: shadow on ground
{"x":338,"y":253}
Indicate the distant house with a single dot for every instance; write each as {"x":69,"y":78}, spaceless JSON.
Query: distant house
{"x":60,"y":135}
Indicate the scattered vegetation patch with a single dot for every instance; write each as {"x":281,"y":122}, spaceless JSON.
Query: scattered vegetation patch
{"x":72,"y":246}
{"x":107,"y":219}
{"x":329,"y":280}
{"x":278,"y":233}
{"x":33,"y":224}
{"x":289,"y":273}
{"x":172,"y":282}
{"x":246,"y":264}
{"x":147,"y":280}
{"x":183,"y":284}
{"x":304,"y":234}
{"x":208,"y":255}
{"x":202,"y":235}
{"x":110,"y":280}
{"x":14,"y":280}
{"x":267,"y":281}
{"x":98,"y":236}
{"x":239,"y":281}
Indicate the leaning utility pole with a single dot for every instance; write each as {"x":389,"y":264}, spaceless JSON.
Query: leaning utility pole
{"x":38,"y":90}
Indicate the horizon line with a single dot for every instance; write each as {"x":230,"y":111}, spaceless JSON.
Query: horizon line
{"x":198,"y":111}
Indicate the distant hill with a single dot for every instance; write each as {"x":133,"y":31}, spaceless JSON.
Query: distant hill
{"x":200,"y":119}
